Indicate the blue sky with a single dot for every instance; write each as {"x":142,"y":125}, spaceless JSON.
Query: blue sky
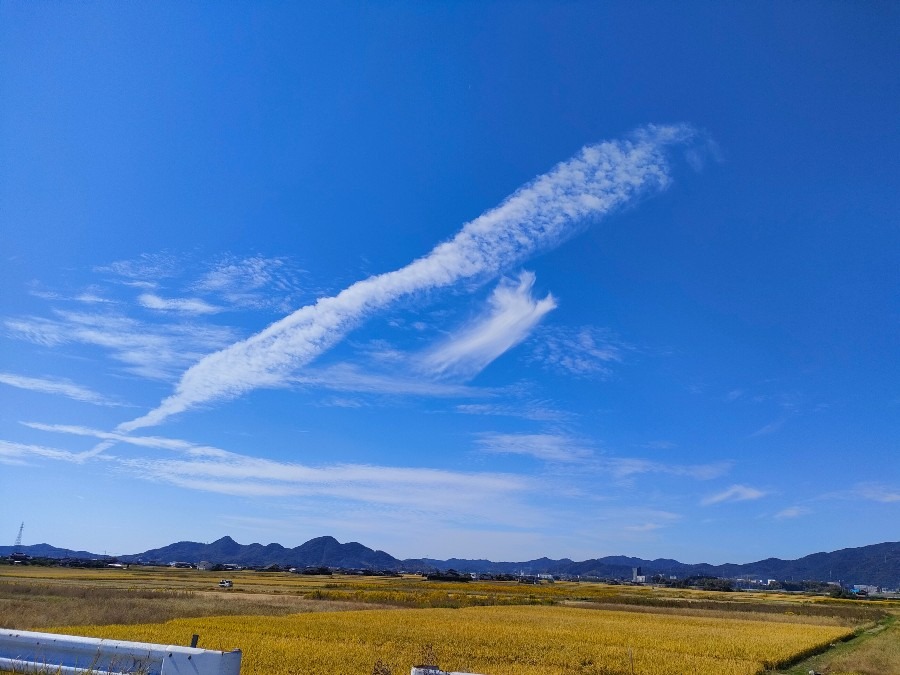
{"x":490,"y":279}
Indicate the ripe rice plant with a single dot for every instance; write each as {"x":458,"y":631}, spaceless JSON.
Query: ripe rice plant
{"x":500,"y":640}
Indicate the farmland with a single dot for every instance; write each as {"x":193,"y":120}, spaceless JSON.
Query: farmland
{"x":325,"y":625}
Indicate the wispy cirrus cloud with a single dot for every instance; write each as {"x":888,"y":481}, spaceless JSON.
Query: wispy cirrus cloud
{"x":253,"y":282}
{"x":659,"y":445}
{"x":562,"y":449}
{"x":792,"y":512}
{"x":56,"y":386}
{"x":227,"y":283}
{"x":421,"y":489}
{"x":182,"y":305}
{"x":583,"y":352}
{"x":238,"y":275}
{"x":209,"y":469}
{"x":93,"y":297}
{"x":546,"y":447}
{"x":876,"y":492}
{"x":111,"y":437}
{"x":625,"y":467}
{"x":735,"y":493}
{"x":18,"y":453}
{"x":350,"y":378}
{"x":652,"y":520}
{"x":147,"y":267}
{"x":512,"y":313}
{"x":539,"y":216}
{"x":155,"y":351}
{"x":770,"y":428}
{"x":536,"y":411}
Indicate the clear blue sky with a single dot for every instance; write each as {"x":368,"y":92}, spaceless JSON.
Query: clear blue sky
{"x":479,"y":279}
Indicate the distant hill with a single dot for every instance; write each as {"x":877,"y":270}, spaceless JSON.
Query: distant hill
{"x":46,"y":551}
{"x":321,"y":551}
{"x":877,"y":564}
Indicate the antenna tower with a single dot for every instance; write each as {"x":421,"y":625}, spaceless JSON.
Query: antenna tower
{"x":19,"y":538}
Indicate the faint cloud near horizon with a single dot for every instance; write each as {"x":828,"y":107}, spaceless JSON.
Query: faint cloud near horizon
{"x":770,"y":428}
{"x":792,"y":512}
{"x":735,"y":493}
{"x":876,"y":492}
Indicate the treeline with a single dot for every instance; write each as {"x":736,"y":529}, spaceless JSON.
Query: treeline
{"x":87,"y":563}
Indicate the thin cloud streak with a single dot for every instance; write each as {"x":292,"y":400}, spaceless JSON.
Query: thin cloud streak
{"x":512,"y":314}
{"x":349,"y":378}
{"x":154,"y":442}
{"x":792,"y":512}
{"x":153,"y":351}
{"x":877,"y":493}
{"x":546,"y":447}
{"x":736,"y":493}
{"x":625,"y":467}
{"x":210,"y":469}
{"x":58,"y":387}
{"x":653,"y":520}
{"x":16,"y":453}
{"x":536,"y":411}
{"x":537,"y":217}
{"x":182,"y":305}
{"x":562,"y":448}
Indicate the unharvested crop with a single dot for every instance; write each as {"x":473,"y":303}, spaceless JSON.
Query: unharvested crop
{"x":523,"y":640}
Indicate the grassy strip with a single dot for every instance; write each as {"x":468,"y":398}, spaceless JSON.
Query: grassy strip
{"x":872,"y":650}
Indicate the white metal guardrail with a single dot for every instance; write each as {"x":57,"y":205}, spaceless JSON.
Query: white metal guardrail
{"x":29,"y":652}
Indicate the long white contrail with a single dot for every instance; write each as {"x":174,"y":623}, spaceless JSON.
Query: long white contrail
{"x":538,"y":216}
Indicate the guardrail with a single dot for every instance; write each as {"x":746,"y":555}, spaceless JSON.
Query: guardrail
{"x":30,"y":652}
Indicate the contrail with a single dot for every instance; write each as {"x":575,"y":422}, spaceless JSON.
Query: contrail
{"x":538,"y":216}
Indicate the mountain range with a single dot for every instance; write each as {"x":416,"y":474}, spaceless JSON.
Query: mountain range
{"x":876,"y":564}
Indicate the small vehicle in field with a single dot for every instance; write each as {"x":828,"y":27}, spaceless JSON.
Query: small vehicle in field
{"x":226,"y":583}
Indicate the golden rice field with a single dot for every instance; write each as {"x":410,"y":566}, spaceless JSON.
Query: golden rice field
{"x":499,"y":640}
{"x":287,"y":623}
